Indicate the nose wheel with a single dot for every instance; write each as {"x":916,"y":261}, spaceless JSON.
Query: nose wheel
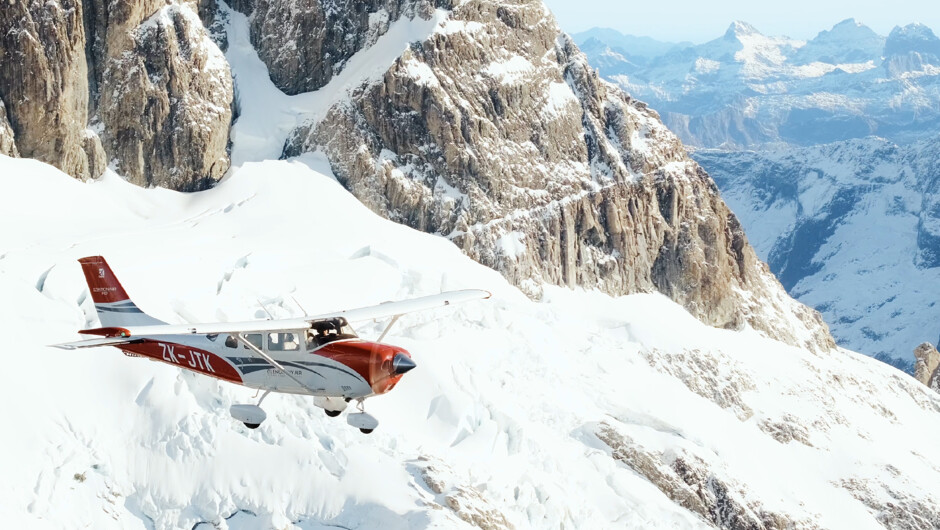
{"x":362,"y":420}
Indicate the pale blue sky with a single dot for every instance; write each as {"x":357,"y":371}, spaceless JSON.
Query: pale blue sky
{"x":699,"y":21}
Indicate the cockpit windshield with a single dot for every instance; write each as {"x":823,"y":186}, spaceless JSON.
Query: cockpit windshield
{"x":328,"y":330}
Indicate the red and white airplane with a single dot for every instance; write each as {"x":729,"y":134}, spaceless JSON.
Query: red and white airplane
{"x":320,"y":355}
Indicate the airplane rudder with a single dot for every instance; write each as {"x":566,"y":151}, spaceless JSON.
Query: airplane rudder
{"x":102,"y":283}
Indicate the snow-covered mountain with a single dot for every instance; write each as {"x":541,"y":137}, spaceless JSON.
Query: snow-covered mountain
{"x":850,"y":228}
{"x":746,"y":89}
{"x":613,"y":52}
{"x":475,"y":121}
{"x":578,"y":411}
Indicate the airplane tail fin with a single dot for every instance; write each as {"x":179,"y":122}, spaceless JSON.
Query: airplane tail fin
{"x":115,"y":308}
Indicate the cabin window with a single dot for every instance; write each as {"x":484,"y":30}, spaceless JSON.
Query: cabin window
{"x":231,"y":341}
{"x":254,"y":339}
{"x":328,"y":330}
{"x":283,"y":341}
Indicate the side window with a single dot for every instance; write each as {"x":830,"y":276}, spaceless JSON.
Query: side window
{"x":281,"y":341}
{"x":254,"y":339}
{"x":231,"y":341}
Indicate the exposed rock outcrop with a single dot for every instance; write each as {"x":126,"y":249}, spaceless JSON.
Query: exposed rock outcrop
{"x":305,"y":43}
{"x":689,"y":482}
{"x":927,"y":365}
{"x":143,"y":74}
{"x":496,"y":133}
{"x":165,"y":96}
{"x":464,"y":500}
{"x":43,"y":82}
{"x":7,"y":142}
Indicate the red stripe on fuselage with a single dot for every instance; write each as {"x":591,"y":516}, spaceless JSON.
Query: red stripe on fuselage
{"x":188,"y":357}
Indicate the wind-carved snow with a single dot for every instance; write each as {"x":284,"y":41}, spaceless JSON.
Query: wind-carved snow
{"x":579,"y":411}
{"x":264,"y":125}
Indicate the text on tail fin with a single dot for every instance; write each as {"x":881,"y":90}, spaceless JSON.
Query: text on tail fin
{"x":103,"y":285}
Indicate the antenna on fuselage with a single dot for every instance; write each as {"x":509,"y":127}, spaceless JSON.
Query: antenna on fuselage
{"x":302,"y":310}
{"x":270,"y":316}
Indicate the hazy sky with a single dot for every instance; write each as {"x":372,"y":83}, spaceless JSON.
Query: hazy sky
{"x":699,"y":21}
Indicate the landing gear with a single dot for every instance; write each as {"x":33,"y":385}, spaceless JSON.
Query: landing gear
{"x":333,"y":406}
{"x":366,"y":423}
{"x":251,"y":415}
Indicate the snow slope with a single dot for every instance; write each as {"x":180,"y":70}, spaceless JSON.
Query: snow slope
{"x":579,"y":411}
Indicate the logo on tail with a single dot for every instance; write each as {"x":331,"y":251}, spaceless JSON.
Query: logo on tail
{"x":114,"y":307}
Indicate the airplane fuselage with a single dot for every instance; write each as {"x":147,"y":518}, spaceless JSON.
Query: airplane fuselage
{"x":348,"y":368}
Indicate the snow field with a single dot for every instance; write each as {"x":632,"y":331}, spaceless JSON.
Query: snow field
{"x":503,"y":407}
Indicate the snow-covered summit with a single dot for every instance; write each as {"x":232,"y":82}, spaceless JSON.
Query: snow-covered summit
{"x":848,"y":42}
{"x":912,"y":38}
{"x":739,"y":29}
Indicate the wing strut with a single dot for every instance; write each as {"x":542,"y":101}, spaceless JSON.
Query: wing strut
{"x":274,"y":363}
{"x":388,"y":327}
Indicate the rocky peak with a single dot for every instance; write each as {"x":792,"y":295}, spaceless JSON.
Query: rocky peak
{"x":495,"y":133}
{"x":739,"y":29}
{"x":910,"y":48}
{"x":912,"y":38}
{"x":848,"y":41}
{"x":926,"y":365}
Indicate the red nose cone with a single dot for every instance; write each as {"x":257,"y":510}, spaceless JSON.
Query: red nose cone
{"x":380,"y":365}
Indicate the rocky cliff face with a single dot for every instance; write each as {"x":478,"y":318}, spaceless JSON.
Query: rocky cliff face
{"x":926,"y":367}
{"x":496,"y":133}
{"x":165,"y":96}
{"x":7,"y":142}
{"x":139,"y":81}
{"x":43,"y":83}
{"x":305,"y":43}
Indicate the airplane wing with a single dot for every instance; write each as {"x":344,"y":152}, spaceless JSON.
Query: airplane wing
{"x":387,"y":309}
{"x":390,"y":309}
{"x":94,"y":343}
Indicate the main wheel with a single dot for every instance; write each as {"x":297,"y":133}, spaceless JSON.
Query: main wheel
{"x":332,"y":413}
{"x":366,"y":431}
{"x":252,"y":425}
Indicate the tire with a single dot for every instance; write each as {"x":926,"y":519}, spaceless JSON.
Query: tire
{"x":332,"y":413}
{"x":252,"y":425}
{"x":366,"y":431}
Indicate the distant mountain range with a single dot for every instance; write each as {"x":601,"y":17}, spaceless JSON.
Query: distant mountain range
{"x":851,"y":228}
{"x":746,"y":89}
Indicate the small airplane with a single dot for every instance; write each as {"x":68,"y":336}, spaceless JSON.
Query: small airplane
{"x":319,"y":356}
